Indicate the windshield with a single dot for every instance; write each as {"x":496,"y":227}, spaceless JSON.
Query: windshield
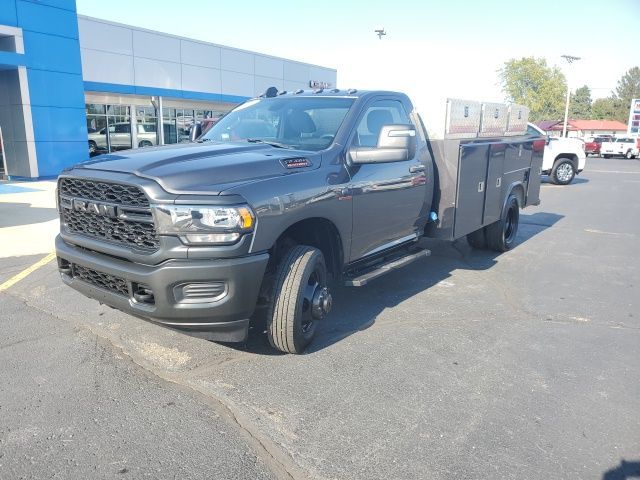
{"x":301,"y":123}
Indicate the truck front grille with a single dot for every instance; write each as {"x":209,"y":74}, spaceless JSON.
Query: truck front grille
{"x":102,"y":280}
{"x":112,"y":212}
{"x":137,"y":234}
{"x":104,"y":191}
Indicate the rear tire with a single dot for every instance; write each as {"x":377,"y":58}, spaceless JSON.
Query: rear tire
{"x":606,"y":156}
{"x":93,"y":147}
{"x":477,"y":239}
{"x":563,"y":172}
{"x":291,"y":321}
{"x":501,"y":235}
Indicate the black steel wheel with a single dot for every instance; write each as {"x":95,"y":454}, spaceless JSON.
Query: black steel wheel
{"x":301,"y":298}
{"x":501,"y":235}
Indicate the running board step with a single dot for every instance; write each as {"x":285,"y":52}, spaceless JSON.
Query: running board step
{"x":364,"y":278}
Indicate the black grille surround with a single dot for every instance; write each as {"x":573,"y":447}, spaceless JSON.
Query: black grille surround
{"x":129,"y":223}
{"x":115,"y":193}
{"x":102,"y":280}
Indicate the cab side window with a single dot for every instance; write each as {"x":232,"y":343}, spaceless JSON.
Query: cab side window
{"x":379,"y":114}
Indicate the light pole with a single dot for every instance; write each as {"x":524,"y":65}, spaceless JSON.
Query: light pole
{"x":570,"y":59}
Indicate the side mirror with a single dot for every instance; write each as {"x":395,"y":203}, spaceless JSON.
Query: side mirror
{"x":396,"y":143}
{"x":195,"y":132}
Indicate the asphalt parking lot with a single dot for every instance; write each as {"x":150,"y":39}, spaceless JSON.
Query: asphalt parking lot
{"x":466,"y":364}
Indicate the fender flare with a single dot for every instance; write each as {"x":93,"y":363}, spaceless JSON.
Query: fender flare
{"x":521,"y":197}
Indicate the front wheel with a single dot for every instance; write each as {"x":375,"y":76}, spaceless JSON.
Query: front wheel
{"x":563,"y":173}
{"x":501,"y":235}
{"x":93,"y":147}
{"x":300,"y":299}
{"x":630,"y":155}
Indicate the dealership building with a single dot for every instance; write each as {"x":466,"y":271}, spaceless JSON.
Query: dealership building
{"x":71,"y":84}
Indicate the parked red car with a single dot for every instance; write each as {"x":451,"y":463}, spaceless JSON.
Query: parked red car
{"x":593,"y":144}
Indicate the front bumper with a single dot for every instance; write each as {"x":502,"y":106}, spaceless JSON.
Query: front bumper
{"x":223,"y":318}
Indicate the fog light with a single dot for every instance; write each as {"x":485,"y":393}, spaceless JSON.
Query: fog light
{"x":200,"y":292}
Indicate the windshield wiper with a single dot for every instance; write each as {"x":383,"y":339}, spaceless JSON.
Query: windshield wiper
{"x":273,"y":144}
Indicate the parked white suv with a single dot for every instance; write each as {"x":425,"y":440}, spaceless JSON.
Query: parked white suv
{"x":120,"y":136}
{"x":563,"y":159}
{"x":628,"y":147}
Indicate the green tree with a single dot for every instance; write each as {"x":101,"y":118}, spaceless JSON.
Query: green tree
{"x":531,"y":82}
{"x":580,"y":106}
{"x":604,"y":108}
{"x":627,"y":89}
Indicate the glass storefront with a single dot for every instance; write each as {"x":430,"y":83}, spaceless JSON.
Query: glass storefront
{"x":110,"y":126}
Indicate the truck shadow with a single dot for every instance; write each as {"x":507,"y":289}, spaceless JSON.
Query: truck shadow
{"x":626,"y":470}
{"x":546,"y":180}
{"x":357,"y":309}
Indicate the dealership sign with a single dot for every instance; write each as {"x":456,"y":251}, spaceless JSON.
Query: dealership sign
{"x":634,"y":117}
{"x":319,"y":84}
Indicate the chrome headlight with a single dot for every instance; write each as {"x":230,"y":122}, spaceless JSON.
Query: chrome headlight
{"x":204,"y":225}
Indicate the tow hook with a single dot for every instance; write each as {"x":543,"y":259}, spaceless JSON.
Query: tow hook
{"x":321,"y":304}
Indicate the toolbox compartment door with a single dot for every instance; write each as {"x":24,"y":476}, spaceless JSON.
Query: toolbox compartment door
{"x":493,"y":199}
{"x":472,"y":174}
{"x":533,"y":185}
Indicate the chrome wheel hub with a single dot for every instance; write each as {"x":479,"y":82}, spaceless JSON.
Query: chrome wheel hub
{"x":564,"y":172}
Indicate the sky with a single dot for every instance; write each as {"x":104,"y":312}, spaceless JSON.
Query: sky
{"x":432,"y":50}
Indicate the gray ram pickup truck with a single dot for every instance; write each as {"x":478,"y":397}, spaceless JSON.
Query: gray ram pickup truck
{"x":288,"y":194}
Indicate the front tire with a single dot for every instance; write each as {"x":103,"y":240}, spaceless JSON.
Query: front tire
{"x":563,"y":172}
{"x":300,"y":299}
{"x":629,"y":155}
{"x":501,"y":235}
{"x":93,"y":147}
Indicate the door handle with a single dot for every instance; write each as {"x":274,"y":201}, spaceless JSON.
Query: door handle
{"x":416,"y":168}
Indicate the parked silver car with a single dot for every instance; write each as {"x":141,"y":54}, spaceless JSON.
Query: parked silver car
{"x":120,"y":137}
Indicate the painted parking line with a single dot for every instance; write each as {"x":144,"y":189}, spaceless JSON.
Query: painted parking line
{"x":16,"y":278}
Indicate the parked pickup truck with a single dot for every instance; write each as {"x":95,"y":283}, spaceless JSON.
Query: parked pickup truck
{"x":592,"y":145}
{"x":564,"y":158}
{"x":627,"y":147}
{"x":282,"y":196}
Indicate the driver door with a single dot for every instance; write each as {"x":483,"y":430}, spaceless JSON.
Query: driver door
{"x":387,"y":197}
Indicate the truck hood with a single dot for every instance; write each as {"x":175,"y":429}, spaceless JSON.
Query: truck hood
{"x":205,"y":168}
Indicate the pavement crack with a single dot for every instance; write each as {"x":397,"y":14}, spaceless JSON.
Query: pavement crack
{"x":273,"y":456}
